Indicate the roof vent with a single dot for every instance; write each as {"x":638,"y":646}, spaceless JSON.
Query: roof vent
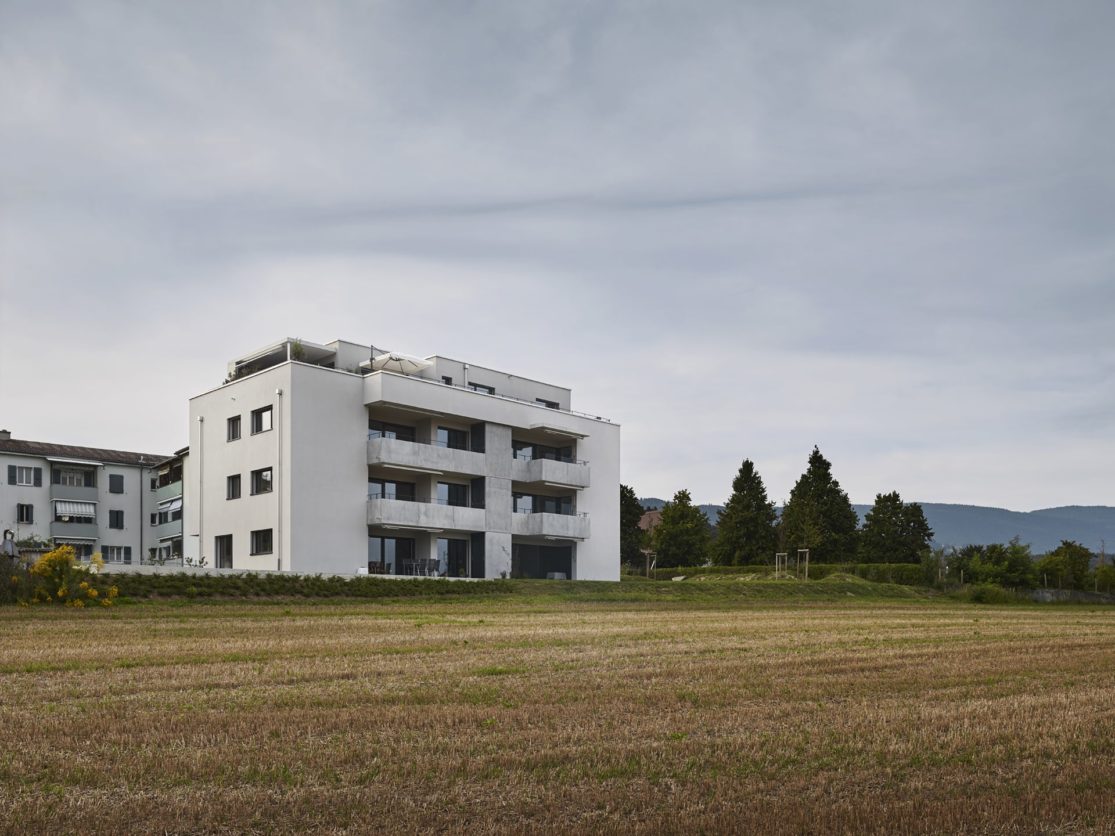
{"x":5,"y":435}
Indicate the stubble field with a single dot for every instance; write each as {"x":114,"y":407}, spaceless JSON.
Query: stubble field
{"x":497,"y":714}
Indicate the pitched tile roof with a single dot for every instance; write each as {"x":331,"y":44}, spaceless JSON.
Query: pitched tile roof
{"x":69,"y":451}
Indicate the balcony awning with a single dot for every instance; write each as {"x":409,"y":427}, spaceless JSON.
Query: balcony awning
{"x":65,"y":508}
{"x":171,"y":504}
{"x":85,"y":462}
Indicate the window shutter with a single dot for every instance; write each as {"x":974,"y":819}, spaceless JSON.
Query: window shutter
{"x":55,"y":476}
{"x":89,"y":483}
{"x":38,"y":477}
{"x":127,"y":554}
{"x":11,"y":474}
{"x":154,"y":519}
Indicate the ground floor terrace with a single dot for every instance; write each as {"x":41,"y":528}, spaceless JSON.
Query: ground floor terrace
{"x":462,"y":554}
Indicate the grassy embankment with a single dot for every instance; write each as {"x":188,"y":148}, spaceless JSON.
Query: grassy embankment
{"x":634,"y":707}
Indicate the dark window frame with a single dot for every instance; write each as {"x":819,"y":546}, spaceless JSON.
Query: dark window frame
{"x":256,"y":541}
{"x":256,"y":479}
{"x":257,"y":419}
{"x":25,"y":513}
{"x":116,"y":516}
{"x":233,"y":486}
{"x":232,"y":431}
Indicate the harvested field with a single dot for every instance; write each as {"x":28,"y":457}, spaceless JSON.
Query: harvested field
{"x":497,"y":714}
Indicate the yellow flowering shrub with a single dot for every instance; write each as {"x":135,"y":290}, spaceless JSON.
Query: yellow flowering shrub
{"x":58,"y":577}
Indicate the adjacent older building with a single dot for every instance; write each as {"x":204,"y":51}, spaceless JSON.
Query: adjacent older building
{"x":343,"y":458}
{"x":92,"y":499}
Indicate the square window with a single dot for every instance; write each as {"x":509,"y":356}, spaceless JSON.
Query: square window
{"x":232,"y":486}
{"x":116,"y":519}
{"x":115,"y":483}
{"x":261,"y":420}
{"x":25,"y":514}
{"x":25,"y":476}
{"x":234,"y":428}
{"x":261,"y":481}
{"x":261,"y":541}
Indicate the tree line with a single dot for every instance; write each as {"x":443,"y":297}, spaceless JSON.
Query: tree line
{"x":820,"y":517}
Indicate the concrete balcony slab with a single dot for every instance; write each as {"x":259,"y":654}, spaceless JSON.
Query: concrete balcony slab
{"x":424,"y":516}
{"x":424,"y":458}
{"x":550,"y":472}
{"x":560,"y":526}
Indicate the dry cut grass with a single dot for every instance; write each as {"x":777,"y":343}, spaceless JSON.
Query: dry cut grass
{"x":488,"y":716}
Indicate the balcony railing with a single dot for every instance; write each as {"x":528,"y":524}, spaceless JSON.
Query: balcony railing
{"x":79,"y":493}
{"x":87,"y":531}
{"x":494,"y":395}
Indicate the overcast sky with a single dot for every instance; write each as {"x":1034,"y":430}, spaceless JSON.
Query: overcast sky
{"x":738,"y":228}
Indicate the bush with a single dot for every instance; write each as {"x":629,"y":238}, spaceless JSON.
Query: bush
{"x":989,"y":593}
{"x":249,"y":585}
{"x":58,"y":578}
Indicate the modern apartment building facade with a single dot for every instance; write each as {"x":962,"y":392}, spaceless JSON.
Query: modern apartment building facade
{"x":92,"y":499}
{"x":341,"y":458}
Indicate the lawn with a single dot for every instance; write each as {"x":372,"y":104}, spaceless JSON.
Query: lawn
{"x":623,"y":708}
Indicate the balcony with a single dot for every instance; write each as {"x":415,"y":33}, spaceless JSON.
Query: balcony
{"x":76,"y":492}
{"x":169,"y":491}
{"x":428,"y":516}
{"x":550,"y":472}
{"x":559,"y":526}
{"x":76,"y":531}
{"x":423,"y":458}
{"x":167,"y":530}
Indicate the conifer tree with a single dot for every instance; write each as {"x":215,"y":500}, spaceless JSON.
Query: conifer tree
{"x":819,"y":516}
{"x":894,"y":531}
{"x":681,"y":537}
{"x":745,"y":529}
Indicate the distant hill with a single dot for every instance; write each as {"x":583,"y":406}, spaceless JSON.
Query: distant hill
{"x":959,"y":525}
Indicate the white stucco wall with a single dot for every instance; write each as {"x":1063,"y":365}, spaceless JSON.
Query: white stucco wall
{"x":214,"y":458}
{"x":328,"y":472}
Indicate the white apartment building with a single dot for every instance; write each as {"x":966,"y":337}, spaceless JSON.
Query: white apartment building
{"x":92,"y":499}
{"x":342,"y":458}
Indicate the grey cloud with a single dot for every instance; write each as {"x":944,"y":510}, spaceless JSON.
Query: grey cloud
{"x":739,"y":228}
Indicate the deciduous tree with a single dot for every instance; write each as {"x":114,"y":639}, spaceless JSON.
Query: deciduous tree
{"x":681,"y":537}
{"x":630,"y":535}
{"x":1067,"y":567}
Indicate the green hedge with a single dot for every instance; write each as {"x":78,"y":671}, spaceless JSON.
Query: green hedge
{"x":907,"y":574}
{"x":183,"y":585}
